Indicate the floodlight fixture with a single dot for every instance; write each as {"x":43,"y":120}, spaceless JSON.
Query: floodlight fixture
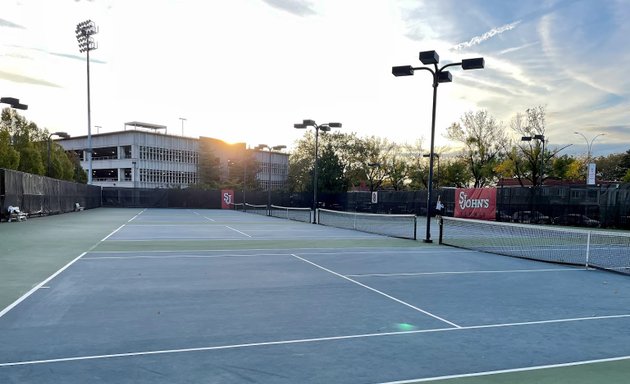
{"x":325,"y":128}
{"x":440,"y":75}
{"x":429,"y":57}
{"x":476,"y":63}
{"x":444,"y":77}
{"x":403,"y":70}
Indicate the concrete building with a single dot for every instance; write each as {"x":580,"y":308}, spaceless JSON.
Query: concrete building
{"x":144,"y":157}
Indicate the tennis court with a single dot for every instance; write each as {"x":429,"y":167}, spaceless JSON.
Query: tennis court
{"x":217,"y":296}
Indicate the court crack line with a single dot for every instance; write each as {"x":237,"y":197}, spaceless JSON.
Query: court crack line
{"x":377,"y":291}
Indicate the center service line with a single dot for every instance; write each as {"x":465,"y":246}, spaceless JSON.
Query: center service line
{"x":377,"y":291}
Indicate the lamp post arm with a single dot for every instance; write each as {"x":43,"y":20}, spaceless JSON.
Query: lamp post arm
{"x":449,"y":65}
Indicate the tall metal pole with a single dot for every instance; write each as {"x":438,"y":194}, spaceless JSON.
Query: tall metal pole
{"x":269,"y":183}
{"x":84,"y":32}
{"x":48,"y":162}
{"x":542,"y":162}
{"x":182,"y":119}
{"x":89,"y":154}
{"x":244,"y":175}
{"x":315,"y":176}
{"x":431,"y":155}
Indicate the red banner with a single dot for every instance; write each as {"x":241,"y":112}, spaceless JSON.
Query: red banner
{"x":476,"y":203}
{"x":227,"y":198}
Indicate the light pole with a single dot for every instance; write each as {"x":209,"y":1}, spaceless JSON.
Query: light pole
{"x":323,"y":128}
{"x":98,"y":128}
{"x":589,"y":148}
{"x":540,"y":138}
{"x":439,"y":76}
{"x":437,"y":178}
{"x":183,"y":119}
{"x":63,"y":135}
{"x":84,"y":32}
{"x":270,"y":150}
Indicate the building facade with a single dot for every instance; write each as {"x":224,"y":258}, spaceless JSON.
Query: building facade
{"x":147,"y":159}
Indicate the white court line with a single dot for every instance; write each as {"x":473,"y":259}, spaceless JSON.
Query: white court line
{"x":116,"y":230}
{"x":236,"y":230}
{"x":199,"y":214}
{"x":257,"y":239}
{"x":141,"y":212}
{"x":377,"y":291}
{"x":337,"y":251}
{"x":463,"y":272}
{"x":40,"y":285}
{"x":303,"y":341}
{"x":182,"y":256}
{"x":514,"y":370}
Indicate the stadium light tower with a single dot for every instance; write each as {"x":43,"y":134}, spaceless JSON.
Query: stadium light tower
{"x":439,"y":76}
{"x":324,"y":128}
{"x":84,"y":31}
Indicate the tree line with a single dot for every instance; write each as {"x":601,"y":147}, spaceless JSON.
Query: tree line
{"x":25,"y":147}
{"x":489,"y":152}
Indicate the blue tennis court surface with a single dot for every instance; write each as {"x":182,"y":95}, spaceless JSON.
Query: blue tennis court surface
{"x":331,"y":313}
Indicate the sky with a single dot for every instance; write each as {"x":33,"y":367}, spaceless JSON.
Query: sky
{"x":247,"y":70}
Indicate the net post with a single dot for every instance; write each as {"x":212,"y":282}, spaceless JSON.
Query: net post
{"x":316,"y":216}
{"x":415,"y":227}
{"x":441,"y":231}
{"x":588,"y":247}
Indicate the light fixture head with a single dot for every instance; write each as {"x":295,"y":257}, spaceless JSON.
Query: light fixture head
{"x":444,"y":77}
{"x":299,"y":126}
{"x":429,"y":57}
{"x":403,"y":70}
{"x":476,"y":63}
{"x":334,"y":125}
{"x":309,"y":123}
{"x":526,"y":138}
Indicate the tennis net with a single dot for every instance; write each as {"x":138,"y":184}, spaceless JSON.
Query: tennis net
{"x":291,"y":213}
{"x":589,"y":248}
{"x":403,"y":226}
{"x":237,"y":206}
{"x":260,"y":209}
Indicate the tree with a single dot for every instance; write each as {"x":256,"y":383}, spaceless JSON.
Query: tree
{"x":209,"y":167}
{"x":566,"y":168}
{"x":454,"y":173}
{"x":483,"y":138}
{"x":9,"y":157}
{"x":330,"y":172}
{"x":611,"y":167}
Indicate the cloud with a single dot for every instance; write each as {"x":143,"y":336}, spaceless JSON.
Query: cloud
{"x":296,"y":7}
{"x":6,"y":23}
{"x":14,"y":77}
{"x":515,"y":49}
{"x":480,"y":39}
